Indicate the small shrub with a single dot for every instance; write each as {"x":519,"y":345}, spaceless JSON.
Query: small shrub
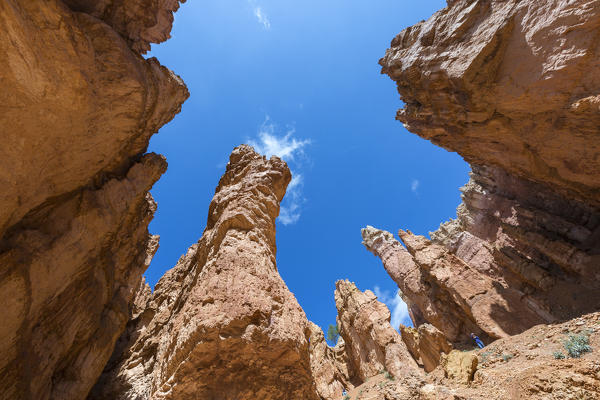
{"x":507,"y":357}
{"x":346,"y":397}
{"x":576,"y":345}
{"x":558,"y":355}
{"x":389,"y":376}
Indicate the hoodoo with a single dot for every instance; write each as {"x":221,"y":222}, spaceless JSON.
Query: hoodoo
{"x":221,"y":324}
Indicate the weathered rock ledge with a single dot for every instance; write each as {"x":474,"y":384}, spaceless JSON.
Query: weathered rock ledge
{"x":139,"y":22}
{"x":509,"y":84}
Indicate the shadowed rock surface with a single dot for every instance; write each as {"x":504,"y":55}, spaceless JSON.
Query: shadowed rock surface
{"x":449,"y":294}
{"x":510,"y":84}
{"x":512,"y":87}
{"x":139,"y":22}
{"x":221,"y":324}
{"x":77,"y":108}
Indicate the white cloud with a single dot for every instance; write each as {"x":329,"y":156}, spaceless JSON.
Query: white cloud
{"x":288,"y":148}
{"x":262,"y":18}
{"x":397,"y":306}
{"x":284,"y":147}
{"x":414,"y":186}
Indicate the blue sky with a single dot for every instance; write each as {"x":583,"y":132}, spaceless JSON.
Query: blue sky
{"x":301,"y":79}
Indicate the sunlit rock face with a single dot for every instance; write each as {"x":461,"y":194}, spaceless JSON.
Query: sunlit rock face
{"x":372,"y":345}
{"x":510,"y":84}
{"x":329,"y":365}
{"x":221,"y":324}
{"x":139,"y":22}
{"x":77,"y":108}
{"x":523,"y":366}
{"x":512,"y":87}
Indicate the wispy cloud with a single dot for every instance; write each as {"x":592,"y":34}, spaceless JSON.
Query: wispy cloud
{"x":260,"y":15}
{"x":285,"y":147}
{"x":414,"y":186}
{"x":291,"y":150}
{"x":397,"y":307}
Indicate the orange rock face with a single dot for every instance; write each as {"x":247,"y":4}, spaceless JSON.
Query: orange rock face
{"x":454,"y":297}
{"x":329,"y":365}
{"x":426,"y":344}
{"x":140,"y":22}
{"x":509,"y":86}
{"x":77,"y":109}
{"x":529,"y":365}
{"x":372,"y":345}
{"x":222,"y":323}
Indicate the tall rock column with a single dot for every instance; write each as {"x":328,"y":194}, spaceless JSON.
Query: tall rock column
{"x":371,"y":344}
{"x":78,"y":105}
{"x":454,"y":297}
{"x":221,"y":324}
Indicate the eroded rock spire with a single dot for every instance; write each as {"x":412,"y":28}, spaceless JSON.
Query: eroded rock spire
{"x":221,"y":324}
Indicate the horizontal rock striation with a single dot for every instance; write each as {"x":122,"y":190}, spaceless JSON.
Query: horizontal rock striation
{"x":511,"y":86}
{"x":528,"y":238}
{"x":78,"y":107}
{"x":222,"y":323}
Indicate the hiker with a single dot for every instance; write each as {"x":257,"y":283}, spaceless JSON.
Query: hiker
{"x":478,"y":341}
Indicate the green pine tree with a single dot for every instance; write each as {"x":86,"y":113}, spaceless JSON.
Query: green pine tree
{"x":333,"y":333}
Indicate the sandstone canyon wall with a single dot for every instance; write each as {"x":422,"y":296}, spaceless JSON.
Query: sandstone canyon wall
{"x":513,"y":87}
{"x":329,"y":365}
{"x":221,"y":324}
{"x":77,"y":108}
{"x":510,"y":85}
